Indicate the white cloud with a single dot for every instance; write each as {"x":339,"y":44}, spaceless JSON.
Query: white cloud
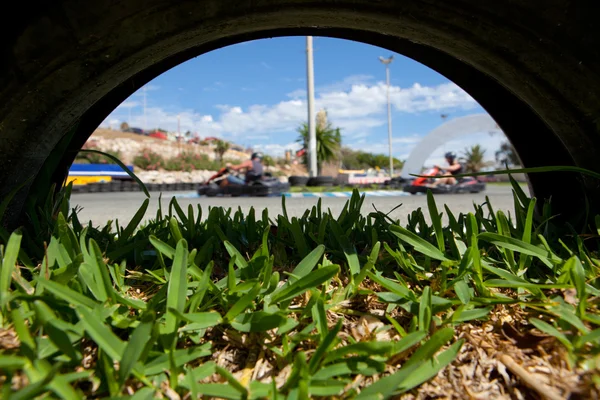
{"x":277,"y":150}
{"x":353,"y":104}
{"x":297,"y":94}
{"x":267,"y":66}
{"x":345,"y":84}
{"x":257,"y":137}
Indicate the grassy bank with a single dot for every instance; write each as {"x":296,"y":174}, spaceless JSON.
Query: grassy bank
{"x":346,"y":306}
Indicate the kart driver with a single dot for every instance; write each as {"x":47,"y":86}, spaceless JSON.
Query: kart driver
{"x":454,"y":168}
{"x":254,"y":170}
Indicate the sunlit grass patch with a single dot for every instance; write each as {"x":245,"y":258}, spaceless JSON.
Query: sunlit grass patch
{"x":355,"y":305}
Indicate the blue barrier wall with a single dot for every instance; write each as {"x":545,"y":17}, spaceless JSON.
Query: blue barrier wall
{"x":111,"y":170}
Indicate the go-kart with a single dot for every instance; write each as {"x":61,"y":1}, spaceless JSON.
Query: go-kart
{"x":464,"y":185}
{"x":218,"y":185}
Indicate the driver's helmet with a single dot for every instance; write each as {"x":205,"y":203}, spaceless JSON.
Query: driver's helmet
{"x":258,"y":155}
{"x":450,"y":155}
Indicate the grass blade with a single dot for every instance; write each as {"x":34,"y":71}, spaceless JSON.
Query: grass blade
{"x":67,"y":294}
{"x":239,"y":259}
{"x":242,"y":303}
{"x":327,"y":342}
{"x":425,"y":310}
{"x":419,"y":244}
{"x":134,"y":223}
{"x":436,"y":219}
{"x":231,"y":380}
{"x":8,"y":265}
{"x":177,"y":287}
{"x":57,"y":336}
{"x":123,"y":167}
{"x":101,"y":334}
{"x":430,"y":368}
{"x":135,"y":346}
{"x":308,"y":263}
{"x":259,"y":321}
{"x":552,"y":331}
{"x":386,"y":387}
{"x":200,"y":320}
{"x":462,"y":291}
{"x":163,"y":247}
{"x":310,"y":281}
{"x":181,"y":357}
{"x":517,"y":245}
{"x":347,"y":247}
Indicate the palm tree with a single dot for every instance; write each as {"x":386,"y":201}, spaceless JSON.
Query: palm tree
{"x":221,"y":148}
{"x":474,"y":159}
{"x":507,"y":155}
{"x":329,"y":142}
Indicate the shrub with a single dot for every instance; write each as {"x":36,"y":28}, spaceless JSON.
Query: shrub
{"x":149,"y":160}
{"x":197,"y":161}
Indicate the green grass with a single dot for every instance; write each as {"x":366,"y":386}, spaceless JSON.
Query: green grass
{"x":244,"y":306}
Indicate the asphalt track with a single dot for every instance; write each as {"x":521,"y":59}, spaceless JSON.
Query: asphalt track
{"x":102,"y":207}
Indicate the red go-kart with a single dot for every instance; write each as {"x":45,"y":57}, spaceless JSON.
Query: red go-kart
{"x":463,"y":185}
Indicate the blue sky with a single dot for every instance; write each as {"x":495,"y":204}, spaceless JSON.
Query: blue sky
{"x":254,"y":94}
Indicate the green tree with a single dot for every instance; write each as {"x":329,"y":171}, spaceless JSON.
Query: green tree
{"x":474,"y":158}
{"x":507,"y":155}
{"x":268,"y":161}
{"x":353,"y":159}
{"x":349,"y":158}
{"x":221,"y":148}
{"x":329,"y":143}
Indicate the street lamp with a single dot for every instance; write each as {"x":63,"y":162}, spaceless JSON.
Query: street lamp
{"x":387,"y":62}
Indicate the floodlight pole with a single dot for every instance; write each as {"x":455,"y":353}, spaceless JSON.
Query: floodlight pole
{"x":312,"y":130}
{"x":387,"y":62}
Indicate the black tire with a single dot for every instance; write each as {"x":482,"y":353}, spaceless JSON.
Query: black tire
{"x":77,"y":189}
{"x":115,"y":186}
{"x":66,"y":67}
{"x":321,"y":181}
{"x":126,"y":186}
{"x":84,"y":188}
{"x":213,"y":190}
{"x":298,"y":180}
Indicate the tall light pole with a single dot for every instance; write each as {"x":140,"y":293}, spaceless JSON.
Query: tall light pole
{"x":312,"y":130}
{"x":387,"y":62}
{"x":145,"y":119}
